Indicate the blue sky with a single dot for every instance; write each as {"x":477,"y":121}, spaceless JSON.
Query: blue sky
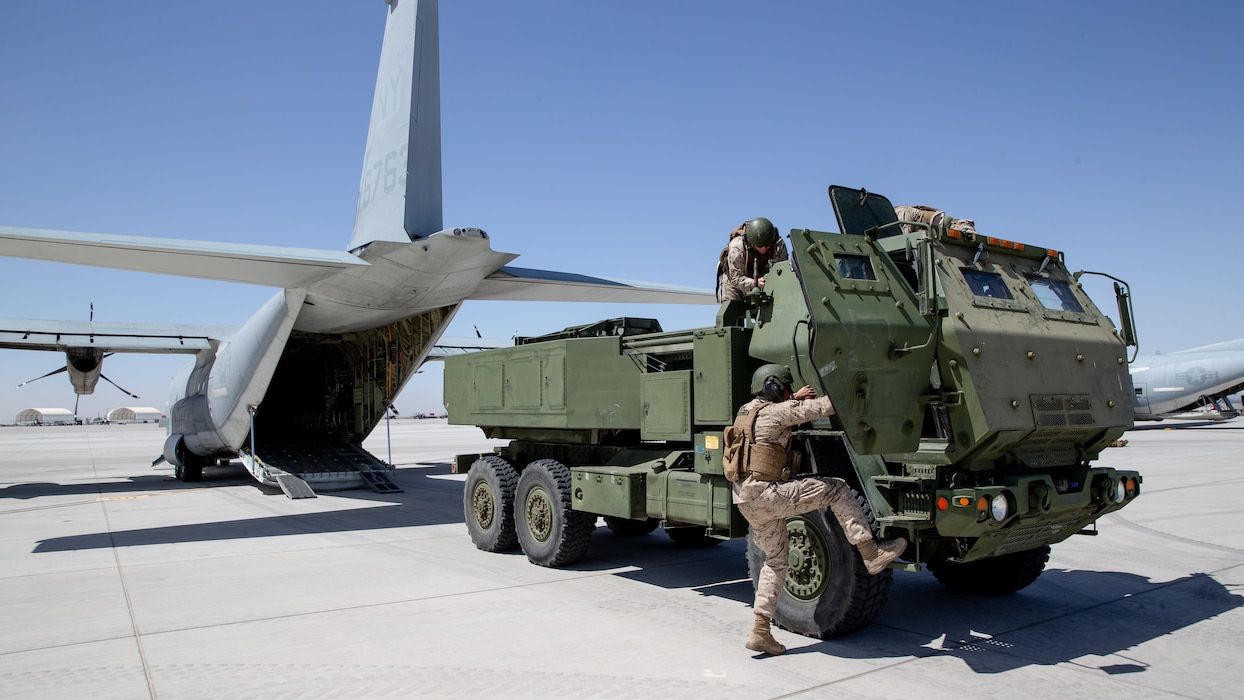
{"x":622,"y":139}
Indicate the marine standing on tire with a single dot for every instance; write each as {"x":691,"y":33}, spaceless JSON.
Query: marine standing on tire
{"x":746,"y":257}
{"x":766,"y":495}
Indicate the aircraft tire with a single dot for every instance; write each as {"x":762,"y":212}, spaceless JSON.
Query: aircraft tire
{"x":995,"y":576}
{"x":188,"y":466}
{"x":828,"y":591}
{"x":550,"y":532}
{"x":488,"y":504}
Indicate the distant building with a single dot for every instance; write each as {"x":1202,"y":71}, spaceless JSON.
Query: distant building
{"x":44,"y":416}
{"x":134,"y":414}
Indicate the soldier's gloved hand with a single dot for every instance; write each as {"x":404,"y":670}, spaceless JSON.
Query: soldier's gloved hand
{"x":806,"y":392}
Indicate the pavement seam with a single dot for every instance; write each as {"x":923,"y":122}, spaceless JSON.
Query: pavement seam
{"x":125,"y":590}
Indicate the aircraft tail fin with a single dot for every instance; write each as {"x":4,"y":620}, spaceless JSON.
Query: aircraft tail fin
{"x":400,"y":190}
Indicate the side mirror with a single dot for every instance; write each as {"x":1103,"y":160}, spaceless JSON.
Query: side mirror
{"x":1123,"y":297}
{"x":1127,"y":330}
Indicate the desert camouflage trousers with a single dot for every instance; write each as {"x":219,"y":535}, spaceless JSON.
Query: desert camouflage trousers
{"x":767,"y":512}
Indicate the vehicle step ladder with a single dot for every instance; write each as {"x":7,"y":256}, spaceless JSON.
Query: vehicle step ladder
{"x":379,"y":481}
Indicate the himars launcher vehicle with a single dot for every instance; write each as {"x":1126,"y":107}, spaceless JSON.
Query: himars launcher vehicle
{"x":974,"y":380}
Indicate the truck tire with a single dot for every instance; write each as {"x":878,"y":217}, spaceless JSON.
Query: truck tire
{"x":549,"y":531}
{"x":828,"y":592}
{"x":625,"y":527}
{"x":488,"y":504}
{"x":995,"y":576}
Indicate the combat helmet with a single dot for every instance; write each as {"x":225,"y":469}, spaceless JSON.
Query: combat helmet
{"x":771,"y":382}
{"x":760,"y":232}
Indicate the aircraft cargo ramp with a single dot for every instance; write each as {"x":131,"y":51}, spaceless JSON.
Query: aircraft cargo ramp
{"x":302,"y":469}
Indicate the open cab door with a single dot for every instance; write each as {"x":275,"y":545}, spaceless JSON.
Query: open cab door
{"x":867,"y":346}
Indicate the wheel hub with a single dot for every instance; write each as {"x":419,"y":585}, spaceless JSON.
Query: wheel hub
{"x":539,"y":510}
{"x":483,"y":505}
{"x":808,"y":574}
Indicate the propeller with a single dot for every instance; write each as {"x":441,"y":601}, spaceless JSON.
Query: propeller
{"x":123,"y":389}
{"x":65,"y":368}
{"x":55,"y":371}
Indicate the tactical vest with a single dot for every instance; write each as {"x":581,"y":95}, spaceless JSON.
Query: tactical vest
{"x":763,"y":461}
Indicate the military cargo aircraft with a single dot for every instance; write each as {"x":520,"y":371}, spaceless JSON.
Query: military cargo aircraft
{"x":1193,"y":384}
{"x":295,"y":390}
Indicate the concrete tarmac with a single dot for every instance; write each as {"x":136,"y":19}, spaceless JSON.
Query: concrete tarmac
{"x":117,"y":581}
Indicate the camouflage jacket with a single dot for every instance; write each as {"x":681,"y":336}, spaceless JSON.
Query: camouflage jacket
{"x":773,"y":427}
{"x":743,"y":266}
{"x":930,"y":215}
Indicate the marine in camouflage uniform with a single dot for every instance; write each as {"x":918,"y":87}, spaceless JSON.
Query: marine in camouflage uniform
{"x":745,"y":260}
{"x":767,"y":502}
{"x":932,"y":216}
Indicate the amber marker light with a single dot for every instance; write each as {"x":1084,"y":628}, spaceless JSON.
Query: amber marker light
{"x":982,"y":504}
{"x":963,"y":501}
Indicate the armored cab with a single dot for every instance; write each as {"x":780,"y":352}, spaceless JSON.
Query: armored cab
{"x":974,"y":381}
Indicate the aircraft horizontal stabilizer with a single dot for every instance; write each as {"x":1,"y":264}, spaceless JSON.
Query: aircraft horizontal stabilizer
{"x":525,"y":284}
{"x":23,"y":334}
{"x":1236,"y":345}
{"x":269,"y":266}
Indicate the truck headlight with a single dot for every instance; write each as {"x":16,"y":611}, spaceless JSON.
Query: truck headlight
{"x":1001,"y":507}
{"x":1120,"y":491}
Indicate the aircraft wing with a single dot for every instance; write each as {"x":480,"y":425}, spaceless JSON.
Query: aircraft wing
{"x":269,"y":266}
{"x":525,"y":284}
{"x":448,"y":346}
{"x":24,"y":334}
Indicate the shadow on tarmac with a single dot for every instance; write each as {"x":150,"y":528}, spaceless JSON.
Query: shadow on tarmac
{"x":1039,"y":626}
{"x":406,"y":510}
{"x":217,"y":476}
{"x":1195,"y":425}
{"x":1065,"y":617}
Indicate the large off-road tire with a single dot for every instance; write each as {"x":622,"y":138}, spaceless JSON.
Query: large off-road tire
{"x":828,"y":591}
{"x":692,"y":537}
{"x":995,"y":576}
{"x":488,"y":504}
{"x":625,"y":527}
{"x":549,"y":531}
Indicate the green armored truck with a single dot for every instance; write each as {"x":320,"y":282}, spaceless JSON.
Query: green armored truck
{"x":974,"y":380}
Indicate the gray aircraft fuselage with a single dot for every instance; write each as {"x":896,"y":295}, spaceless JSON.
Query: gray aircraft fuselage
{"x":1178,"y":382}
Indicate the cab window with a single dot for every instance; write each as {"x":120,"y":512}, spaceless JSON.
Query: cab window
{"x":855,"y":267}
{"x":1055,"y":295}
{"x":986,"y":284}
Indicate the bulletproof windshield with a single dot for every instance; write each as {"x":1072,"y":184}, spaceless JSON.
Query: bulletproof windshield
{"x":1055,"y":294}
{"x":855,"y":267}
{"x":986,"y":284}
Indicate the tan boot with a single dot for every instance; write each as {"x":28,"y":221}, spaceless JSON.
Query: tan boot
{"x":761,"y":639}
{"x":878,"y":555}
